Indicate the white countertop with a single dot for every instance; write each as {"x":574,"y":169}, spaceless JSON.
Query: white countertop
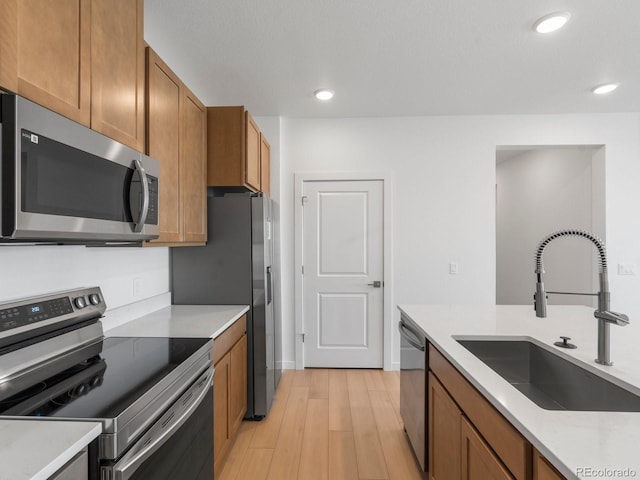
{"x":36,"y":449}
{"x":190,"y":321}
{"x":573,"y":442}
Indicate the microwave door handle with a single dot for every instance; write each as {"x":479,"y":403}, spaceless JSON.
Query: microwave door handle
{"x":138,"y":224}
{"x":125,"y":468}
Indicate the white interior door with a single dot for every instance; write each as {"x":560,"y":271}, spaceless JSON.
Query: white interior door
{"x":342,"y":282}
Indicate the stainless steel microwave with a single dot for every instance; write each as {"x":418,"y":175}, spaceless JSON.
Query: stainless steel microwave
{"x":63,"y":182}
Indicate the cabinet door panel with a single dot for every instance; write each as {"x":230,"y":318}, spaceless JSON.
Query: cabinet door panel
{"x":265,"y":165}
{"x":444,"y":433}
{"x":542,"y":470}
{"x":238,"y":383}
{"x":9,"y":45}
{"x":478,"y":460}
{"x":45,"y":50}
{"x":193,"y":165}
{"x":117,"y":70}
{"x":163,"y":131}
{"x":221,"y":430}
{"x":252,"y":172}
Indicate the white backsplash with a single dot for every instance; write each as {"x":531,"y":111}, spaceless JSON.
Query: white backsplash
{"x":128,"y":276}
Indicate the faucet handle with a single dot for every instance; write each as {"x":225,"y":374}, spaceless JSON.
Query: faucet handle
{"x":612,"y":317}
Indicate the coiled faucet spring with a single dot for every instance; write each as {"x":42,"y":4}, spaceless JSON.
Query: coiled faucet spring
{"x":577,"y":233}
{"x":604,"y":315}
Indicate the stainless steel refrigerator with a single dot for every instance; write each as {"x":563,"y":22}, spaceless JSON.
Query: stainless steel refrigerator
{"x":235,"y":268}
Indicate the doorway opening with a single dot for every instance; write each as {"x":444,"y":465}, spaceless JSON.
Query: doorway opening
{"x":540,"y":190}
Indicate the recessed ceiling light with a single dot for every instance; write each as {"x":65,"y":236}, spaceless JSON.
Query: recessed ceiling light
{"x":552,"y":22}
{"x":324,"y":94}
{"x":606,"y":88}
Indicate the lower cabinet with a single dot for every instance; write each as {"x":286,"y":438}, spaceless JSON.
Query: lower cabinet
{"x":229,"y":389}
{"x":542,"y":470}
{"x":457,"y":449}
{"x":444,"y":433}
{"x":468,"y":438}
{"x":478,"y":460}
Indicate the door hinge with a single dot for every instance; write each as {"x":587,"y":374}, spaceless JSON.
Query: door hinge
{"x":302,"y":337}
{"x":302,"y":269}
{"x":303,"y":199}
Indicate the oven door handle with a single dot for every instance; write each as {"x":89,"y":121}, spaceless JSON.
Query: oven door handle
{"x":127,"y":466}
{"x":140,"y":175}
{"x":410,"y":336}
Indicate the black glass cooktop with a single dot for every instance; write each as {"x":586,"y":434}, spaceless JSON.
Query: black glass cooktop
{"x":108,"y":377}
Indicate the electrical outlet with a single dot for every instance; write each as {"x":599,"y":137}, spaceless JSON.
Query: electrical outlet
{"x":137,"y":287}
{"x":626,"y":269}
{"x":453,"y":268}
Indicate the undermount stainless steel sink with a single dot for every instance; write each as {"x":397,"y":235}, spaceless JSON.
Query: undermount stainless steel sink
{"x":550,"y":381}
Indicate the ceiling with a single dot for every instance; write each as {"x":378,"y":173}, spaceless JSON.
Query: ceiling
{"x":400,"y":57}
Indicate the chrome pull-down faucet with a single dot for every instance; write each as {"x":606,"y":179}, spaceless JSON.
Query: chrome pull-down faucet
{"x":605,"y":316}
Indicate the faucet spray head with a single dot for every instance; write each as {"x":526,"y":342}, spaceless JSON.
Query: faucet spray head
{"x":540,"y":299}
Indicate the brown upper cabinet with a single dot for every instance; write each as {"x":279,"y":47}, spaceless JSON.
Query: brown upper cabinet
{"x":117,"y":70}
{"x":83,"y":59}
{"x":45,"y":54}
{"x":238,"y":155}
{"x":176,"y":137}
{"x":265,"y":165}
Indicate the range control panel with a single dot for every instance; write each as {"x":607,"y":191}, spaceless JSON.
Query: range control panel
{"x":81,"y":303}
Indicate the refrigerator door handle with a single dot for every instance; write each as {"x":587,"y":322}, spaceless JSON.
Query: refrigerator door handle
{"x":269,"y":284}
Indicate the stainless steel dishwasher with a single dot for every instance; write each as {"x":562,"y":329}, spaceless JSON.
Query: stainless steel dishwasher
{"x":413,"y":385}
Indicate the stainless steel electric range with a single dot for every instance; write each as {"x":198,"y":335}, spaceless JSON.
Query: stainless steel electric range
{"x":153,"y":395}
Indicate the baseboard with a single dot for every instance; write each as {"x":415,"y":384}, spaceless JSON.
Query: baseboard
{"x":286,"y":365}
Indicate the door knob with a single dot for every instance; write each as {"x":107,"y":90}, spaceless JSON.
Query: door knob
{"x":375,"y":284}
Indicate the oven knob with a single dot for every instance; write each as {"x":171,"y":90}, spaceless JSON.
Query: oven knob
{"x":80,"y":302}
{"x":94,"y":298}
{"x":81,"y":390}
{"x":96,"y":381}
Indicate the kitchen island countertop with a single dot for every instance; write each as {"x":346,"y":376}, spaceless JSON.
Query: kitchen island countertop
{"x":579,"y":444}
{"x":35,"y":450}
{"x":186,"y":321}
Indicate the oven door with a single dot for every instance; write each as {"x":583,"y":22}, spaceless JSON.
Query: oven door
{"x":413,"y":383}
{"x":178,"y":445}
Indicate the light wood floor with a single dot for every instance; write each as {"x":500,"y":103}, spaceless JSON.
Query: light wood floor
{"x":327,"y":425}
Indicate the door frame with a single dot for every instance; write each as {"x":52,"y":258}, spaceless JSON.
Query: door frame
{"x":387,"y":262}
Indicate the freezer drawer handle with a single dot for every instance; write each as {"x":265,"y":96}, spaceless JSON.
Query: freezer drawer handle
{"x":410,"y":336}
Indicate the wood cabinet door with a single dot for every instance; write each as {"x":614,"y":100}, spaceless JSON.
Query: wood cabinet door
{"x":238,"y":383}
{"x":45,"y":50}
{"x":543,"y":470}
{"x":221,"y":430}
{"x":265,"y":165}
{"x":193,"y":168}
{"x":163,"y":142}
{"x":444,"y":433}
{"x":252,"y":153}
{"x":117,"y":70}
{"x":478,"y":460}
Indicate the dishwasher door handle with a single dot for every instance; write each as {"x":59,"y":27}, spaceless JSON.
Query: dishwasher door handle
{"x":410,"y":336}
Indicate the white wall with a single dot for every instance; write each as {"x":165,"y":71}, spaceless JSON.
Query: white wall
{"x":34,"y":270}
{"x":540,"y":191}
{"x":443,"y":171}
